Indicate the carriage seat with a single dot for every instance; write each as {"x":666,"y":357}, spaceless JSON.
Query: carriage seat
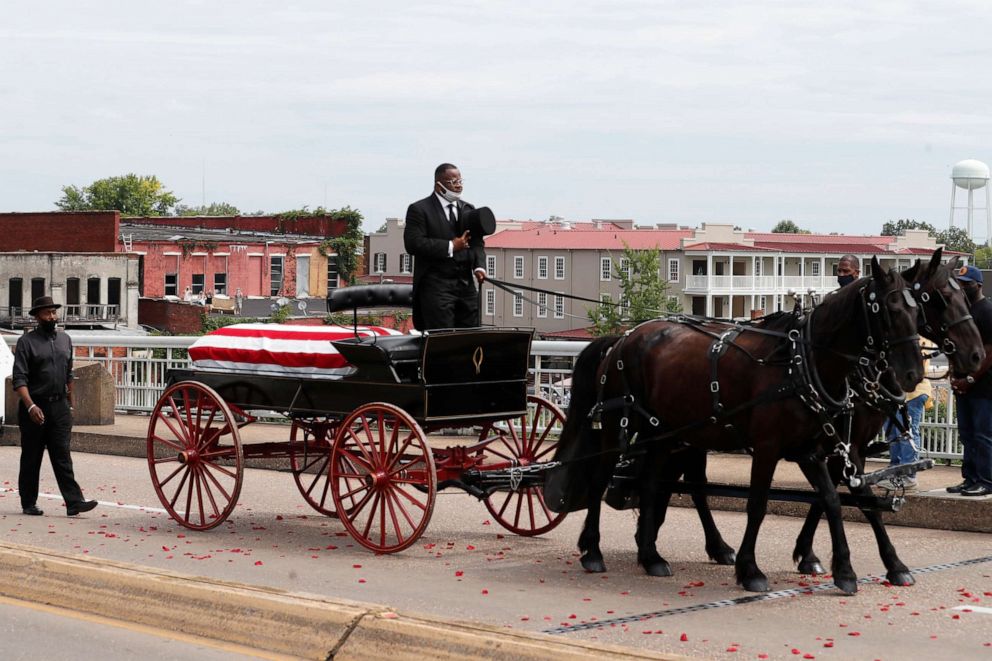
{"x":389,"y":357}
{"x":370,"y":296}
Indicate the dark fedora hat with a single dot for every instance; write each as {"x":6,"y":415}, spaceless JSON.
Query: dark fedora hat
{"x":480,"y":221}
{"x":43,"y":303}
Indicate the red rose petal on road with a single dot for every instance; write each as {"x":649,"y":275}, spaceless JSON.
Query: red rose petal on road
{"x":684,"y":638}
{"x":853,"y":633}
{"x":258,"y":563}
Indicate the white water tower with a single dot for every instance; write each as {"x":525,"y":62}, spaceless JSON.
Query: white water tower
{"x":971,"y":175}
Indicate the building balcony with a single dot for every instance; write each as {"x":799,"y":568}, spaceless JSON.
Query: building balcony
{"x":761,"y":284}
{"x":82,"y":315}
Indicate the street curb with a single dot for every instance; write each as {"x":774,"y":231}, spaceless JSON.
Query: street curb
{"x":300,"y":625}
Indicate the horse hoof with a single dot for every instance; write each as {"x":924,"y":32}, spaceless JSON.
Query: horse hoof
{"x":658,"y":569}
{"x":594,"y":566}
{"x":755,"y":584}
{"x":725,"y":558}
{"x":811,"y":567}
{"x":902,"y":578}
{"x":848,"y":586}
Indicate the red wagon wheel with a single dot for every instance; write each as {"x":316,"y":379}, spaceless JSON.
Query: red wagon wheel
{"x":383,"y":480}
{"x":310,"y":464}
{"x":529,"y":439}
{"x":185,"y":455}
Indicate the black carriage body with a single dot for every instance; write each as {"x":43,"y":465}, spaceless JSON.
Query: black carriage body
{"x":440,"y":379}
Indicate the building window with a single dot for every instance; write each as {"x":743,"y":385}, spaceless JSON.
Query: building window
{"x":114,"y":293}
{"x":624,"y":307}
{"x":814,"y":269}
{"x":171,"y":285}
{"x":490,"y":266}
{"x":406,"y":263}
{"x":673,"y":270}
{"x":220,"y":283}
{"x":518,"y":267}
{"x":559,"y":268}
{"x":92,"y":290}
{"x":542,"y":304}
{"x":559,"y":307}
{"x":15,"y":297}
{"x":518,"y":304}
{"x":379,"y":260}
{"x":605,"y":269}
{"x":625,"y":267}
{"x":763,"y":303}
{"x":38,"y":288}
{"x":490,"y":302}
{"x":605,"y":298}
{"x":198,"y":280}
{"x":72,"y":295}
{"x":757,"y":266}
{"x":542,"y":268}
{"x":275,"y":274}
{"x":332,"y":272}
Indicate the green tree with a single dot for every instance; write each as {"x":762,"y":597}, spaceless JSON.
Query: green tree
{"x":131,"y":194}
{"x":346,"y":246}
{"x":983,"y":257}
{"x":957,"y":239}
{"x":212,"y":209}
{"x":899,"y":227}
{"x":788,"y":227}
{"x":643,"y":293}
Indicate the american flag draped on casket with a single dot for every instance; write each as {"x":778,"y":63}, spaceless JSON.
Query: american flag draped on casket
{"x":277,"y":349}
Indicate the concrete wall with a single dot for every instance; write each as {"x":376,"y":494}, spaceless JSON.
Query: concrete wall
{"x":85,"y":231}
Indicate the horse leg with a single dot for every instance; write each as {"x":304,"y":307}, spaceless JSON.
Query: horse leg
{"x":654,"y":506}
{"x":748,"y":574}
{"x":819,"y":477}
{"x":592,"y":557}
{"x":803,"y":553}
{"x":716,"y":548}
{"x":897,"y":573}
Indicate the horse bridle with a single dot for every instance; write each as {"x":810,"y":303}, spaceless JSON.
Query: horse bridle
{"x":948,"y":347}
{"x":877,"y":318}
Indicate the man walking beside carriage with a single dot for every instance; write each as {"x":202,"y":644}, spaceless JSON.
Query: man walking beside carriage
{"x":449,"y":255}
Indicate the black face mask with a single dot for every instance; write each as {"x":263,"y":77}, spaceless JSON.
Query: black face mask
{"x":48,"y":326}
{"x":845,"y":279}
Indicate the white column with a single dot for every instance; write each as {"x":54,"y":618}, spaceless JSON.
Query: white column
{"x":709,"y":304}
{"x":709,"y":273}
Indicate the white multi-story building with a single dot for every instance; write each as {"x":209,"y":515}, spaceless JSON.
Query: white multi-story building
{"x":714,"y":270}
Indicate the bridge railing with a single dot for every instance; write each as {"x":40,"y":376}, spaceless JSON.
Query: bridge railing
{"x":140,"y":367}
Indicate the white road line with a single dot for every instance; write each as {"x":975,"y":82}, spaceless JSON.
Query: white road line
{"x":974,"y":609}
{"x":104,"y":503}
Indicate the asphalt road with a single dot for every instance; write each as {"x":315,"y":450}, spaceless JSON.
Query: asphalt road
{"x":466,"y":567}
{"x":35,"y":631}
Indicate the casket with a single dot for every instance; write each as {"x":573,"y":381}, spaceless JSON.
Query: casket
{"x":277,"y":349}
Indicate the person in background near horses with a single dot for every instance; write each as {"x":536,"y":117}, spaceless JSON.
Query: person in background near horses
{"x":446,"y":256}
{"x":848,"y":270}
{"x":904,"y":446}
{"x":239,"y":301}
{"x":974,"y":397}
{"x":42,"y":379}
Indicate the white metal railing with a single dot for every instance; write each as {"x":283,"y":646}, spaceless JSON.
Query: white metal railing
{"x":140,"y":365}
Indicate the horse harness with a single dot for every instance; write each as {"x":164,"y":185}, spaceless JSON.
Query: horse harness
{"x":804,"y":381}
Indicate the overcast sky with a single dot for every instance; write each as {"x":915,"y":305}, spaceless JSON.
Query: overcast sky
{"x":838,"y":115}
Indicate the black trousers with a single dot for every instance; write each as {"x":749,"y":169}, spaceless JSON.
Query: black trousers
{"x":448,"y":301}
{"x":54,"y":435}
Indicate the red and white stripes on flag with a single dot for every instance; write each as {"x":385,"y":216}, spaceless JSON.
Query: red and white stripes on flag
{"x":277,"y":349}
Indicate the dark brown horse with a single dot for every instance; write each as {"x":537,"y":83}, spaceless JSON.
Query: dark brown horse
{"x":943,"y":318}
{"x":775,"y":388}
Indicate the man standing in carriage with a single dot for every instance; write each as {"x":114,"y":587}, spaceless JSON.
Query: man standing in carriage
{"x":449,"y":255}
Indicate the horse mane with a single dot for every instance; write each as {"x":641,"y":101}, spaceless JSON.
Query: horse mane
{"x":837,"y":308}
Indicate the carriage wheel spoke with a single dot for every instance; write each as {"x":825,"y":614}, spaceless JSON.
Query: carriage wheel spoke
{"x":173,"y":473}
{"x":178,"y":432}
{"x":399,"y":506}
{"x":399,"y":454}
{"x":509,"y":496}
{"x":223,"y":469}
{"x":412,"y":500}
{"x":216,"y":482}
{"x":372,"y":512}
{"x":392,"y":517}
{"x":179,"y":488}
{"x":165,"y":441}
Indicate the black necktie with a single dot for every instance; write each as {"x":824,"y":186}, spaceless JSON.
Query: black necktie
{"x":452,"y":217}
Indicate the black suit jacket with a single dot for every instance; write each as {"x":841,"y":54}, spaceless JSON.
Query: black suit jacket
{"x":426,"y":237}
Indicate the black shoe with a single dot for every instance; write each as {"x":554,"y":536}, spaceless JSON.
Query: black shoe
{"x":958,"y":488}
{"x":33,"y":511}
{"x":76,"y":508}
{"x":977,"y":490}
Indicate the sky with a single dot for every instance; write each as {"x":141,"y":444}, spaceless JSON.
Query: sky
{"x":837,"y":115}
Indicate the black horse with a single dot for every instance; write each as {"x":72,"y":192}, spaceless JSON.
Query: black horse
{"x":774,"y":388}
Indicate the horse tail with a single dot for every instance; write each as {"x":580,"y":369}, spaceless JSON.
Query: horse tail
{"x":566,"y":488}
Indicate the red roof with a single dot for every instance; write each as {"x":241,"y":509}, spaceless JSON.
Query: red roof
{"x":551,"y":238}
{"x":782,"y":237}
{"x":826,"y":246}
{"x":710,"y":245}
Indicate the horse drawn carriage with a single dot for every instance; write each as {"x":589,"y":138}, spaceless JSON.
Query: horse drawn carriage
{"x":358,"y":442}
